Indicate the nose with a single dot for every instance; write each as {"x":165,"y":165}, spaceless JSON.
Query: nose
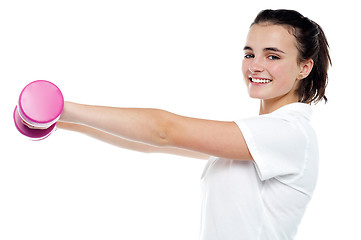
{"x":255,"y":66}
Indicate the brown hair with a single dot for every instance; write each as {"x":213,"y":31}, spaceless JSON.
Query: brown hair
{"x":311,"y":44}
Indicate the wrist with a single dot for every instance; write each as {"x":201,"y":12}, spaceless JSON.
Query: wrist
{"x":66,"y":115}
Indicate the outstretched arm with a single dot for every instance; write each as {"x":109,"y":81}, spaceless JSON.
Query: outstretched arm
{"x":162,"y":129}
{"x":127,"y":144}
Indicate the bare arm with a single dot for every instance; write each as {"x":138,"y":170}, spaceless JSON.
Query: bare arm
{"x":127,"y":144}
{"x":162,"y":129}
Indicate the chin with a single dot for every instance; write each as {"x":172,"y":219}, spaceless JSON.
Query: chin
{"x":257,"y":95}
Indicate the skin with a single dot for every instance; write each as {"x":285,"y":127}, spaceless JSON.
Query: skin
{"x":154,"y":130}
{"x":270,"y":53}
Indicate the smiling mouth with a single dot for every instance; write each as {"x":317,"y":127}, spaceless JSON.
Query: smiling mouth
{"x":260,"y":80}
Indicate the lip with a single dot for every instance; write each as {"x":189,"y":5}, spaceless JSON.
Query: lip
{"x":259,"y":81}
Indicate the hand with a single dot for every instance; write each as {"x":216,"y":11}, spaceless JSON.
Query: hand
{"x":32,"y":127}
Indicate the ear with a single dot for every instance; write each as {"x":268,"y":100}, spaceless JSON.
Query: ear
{"x":306,"y":68}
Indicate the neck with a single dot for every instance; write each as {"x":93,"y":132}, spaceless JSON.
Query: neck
{"x":270,"y":105}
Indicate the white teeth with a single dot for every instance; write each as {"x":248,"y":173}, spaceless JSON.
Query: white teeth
{"x":257,"y":80}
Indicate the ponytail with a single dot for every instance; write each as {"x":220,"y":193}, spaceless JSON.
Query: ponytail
{"x":312,"y":88}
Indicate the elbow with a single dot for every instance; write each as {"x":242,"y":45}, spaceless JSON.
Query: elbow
{"x":164,"y":129}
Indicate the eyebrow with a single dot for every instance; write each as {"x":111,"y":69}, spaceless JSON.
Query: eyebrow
{"x":273,"y":49}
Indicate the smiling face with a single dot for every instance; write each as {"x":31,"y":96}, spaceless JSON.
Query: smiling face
{"x":270,"y":67}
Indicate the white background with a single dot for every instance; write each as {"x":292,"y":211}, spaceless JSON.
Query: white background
{"x":181,"y":56}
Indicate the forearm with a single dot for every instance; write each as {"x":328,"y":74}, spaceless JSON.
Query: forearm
{"x":127,"y":144}
{"x":137,"y":124}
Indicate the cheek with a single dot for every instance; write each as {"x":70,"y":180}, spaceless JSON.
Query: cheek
{"x":284,"y":78}
{"x":284,"y":74}
{"x":277,"y":71}
{"x":245,"y":67}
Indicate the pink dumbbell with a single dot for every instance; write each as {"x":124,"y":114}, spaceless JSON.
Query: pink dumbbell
{"x":40,"y":106}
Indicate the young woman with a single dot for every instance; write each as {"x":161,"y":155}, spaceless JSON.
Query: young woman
{"x":261,"y":171}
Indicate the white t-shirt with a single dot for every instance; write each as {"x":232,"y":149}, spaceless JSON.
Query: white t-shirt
{"x":264,"y":199}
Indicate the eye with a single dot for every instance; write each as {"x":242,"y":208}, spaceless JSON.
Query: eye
{"x":273,"y":57}
{"x":248,"y":56}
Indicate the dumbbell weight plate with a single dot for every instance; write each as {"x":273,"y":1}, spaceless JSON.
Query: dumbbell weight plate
{"x":40,"y":105}
{"x":32,"y":133}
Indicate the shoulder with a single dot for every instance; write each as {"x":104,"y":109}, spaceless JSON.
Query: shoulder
{"x":292,"y":119}
{"x":273,"y":128}
{"x":279,"y":142}
{"x":286,"y":132}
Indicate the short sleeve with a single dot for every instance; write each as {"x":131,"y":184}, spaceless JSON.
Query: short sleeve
{"x":277,"y":146}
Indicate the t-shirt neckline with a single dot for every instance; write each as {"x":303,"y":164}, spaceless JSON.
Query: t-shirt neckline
{"x":301,"y":108}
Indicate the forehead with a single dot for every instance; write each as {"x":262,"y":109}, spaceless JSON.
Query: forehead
{"x":262,"y":36}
